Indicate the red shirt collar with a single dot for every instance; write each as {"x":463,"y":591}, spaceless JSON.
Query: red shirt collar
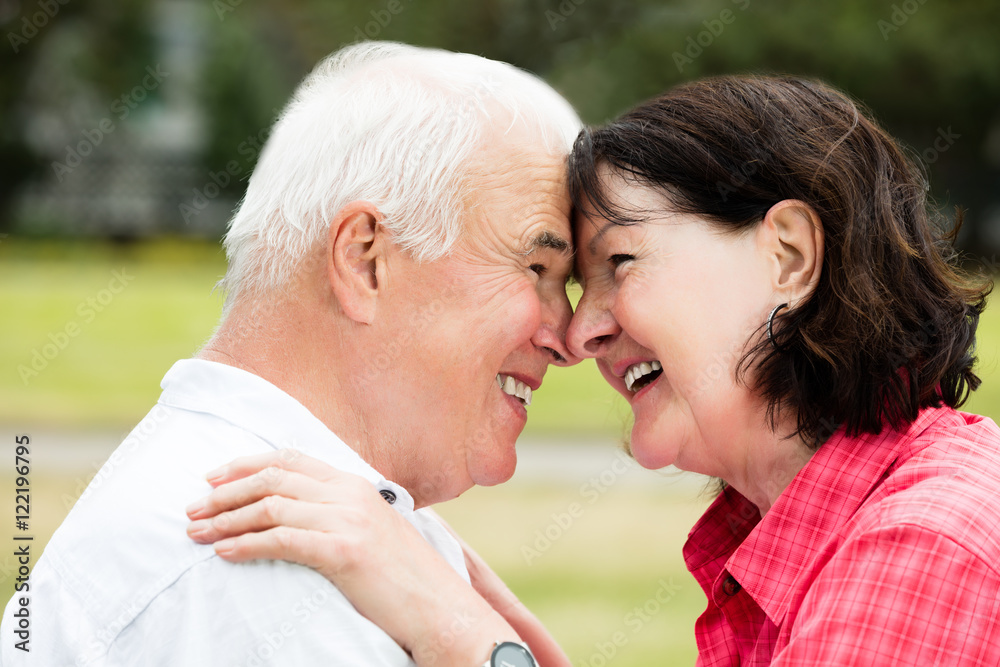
{"x":767,"y":555}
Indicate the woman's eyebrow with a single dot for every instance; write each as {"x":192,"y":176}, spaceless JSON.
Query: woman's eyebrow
{"x":592,"y":246}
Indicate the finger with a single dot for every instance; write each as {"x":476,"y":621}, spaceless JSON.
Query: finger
{"x":295,"y":545}
{"x":262,"y":515}
{"x":267,"y":482}
{"x":287,"y":459}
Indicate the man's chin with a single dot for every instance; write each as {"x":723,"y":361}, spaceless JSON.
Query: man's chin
{"x":497,"y":470}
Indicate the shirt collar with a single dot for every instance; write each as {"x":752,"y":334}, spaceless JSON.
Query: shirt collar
{"x":769,"y":553}
{"x":255,"y":405}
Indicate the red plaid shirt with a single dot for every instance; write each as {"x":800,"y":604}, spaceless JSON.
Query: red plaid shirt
{"x":883,"y":550}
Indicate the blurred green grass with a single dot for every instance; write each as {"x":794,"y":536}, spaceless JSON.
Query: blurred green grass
{"x":615,"y":558}
{"x":585,"y":587}
{"x":108,"y":374}
{"x":602,"y":574}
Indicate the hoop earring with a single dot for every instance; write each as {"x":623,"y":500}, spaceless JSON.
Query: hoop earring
{"x":770,"y":322}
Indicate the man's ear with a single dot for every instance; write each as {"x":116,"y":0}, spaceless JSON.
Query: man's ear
{"x":356,"y":260}
{"x":792,"y":237}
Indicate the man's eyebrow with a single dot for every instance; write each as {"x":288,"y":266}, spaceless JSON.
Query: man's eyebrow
{"x":548,"y":240}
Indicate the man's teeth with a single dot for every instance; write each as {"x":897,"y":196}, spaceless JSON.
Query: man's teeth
{"x":515,"y":388}
{"x":642,"y":369}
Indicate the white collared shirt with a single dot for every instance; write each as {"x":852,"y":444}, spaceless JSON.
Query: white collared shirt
{"x":120,"y":583}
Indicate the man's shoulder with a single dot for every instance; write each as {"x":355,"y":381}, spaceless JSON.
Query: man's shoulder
{"x":135,"y":502}
{"x":248,"y":613}
{"x":213,"y":612}
{"x":124,"y":541}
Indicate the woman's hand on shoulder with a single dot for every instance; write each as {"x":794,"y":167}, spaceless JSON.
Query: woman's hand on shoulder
{"x":285,"y":505}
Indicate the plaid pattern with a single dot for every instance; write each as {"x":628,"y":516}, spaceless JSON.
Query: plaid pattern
{"x":883,"y":550}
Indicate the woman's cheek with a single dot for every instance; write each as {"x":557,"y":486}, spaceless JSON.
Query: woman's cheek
{"x":641,"y":311}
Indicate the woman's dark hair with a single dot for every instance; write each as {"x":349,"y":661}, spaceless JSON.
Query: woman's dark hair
{"x":891,"y":326}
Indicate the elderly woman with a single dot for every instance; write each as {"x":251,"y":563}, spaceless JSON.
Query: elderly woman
{"x":765,"y":286}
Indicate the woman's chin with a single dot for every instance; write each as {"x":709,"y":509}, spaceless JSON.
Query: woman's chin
{"x":650,"y":451}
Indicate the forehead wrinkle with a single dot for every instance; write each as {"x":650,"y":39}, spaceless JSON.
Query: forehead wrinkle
{"x":519,"y":193}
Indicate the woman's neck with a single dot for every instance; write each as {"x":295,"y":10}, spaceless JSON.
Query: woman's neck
{"x":770,"y":465}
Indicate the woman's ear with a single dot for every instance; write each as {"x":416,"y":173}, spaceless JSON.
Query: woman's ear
{"x":356,"y":260}
{"x":792,"y":237}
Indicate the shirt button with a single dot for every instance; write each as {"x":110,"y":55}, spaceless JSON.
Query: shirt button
{"x":730,"y":586}
{"x":389,"y":496}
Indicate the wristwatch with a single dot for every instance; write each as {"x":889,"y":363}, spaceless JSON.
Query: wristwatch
{"x":510,"y":654}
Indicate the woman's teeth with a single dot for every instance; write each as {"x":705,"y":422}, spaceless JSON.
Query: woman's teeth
{"x":639,"y":375}
{"x":515,"y":388}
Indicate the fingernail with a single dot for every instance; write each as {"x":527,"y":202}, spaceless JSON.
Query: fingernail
{"x":195,"y":509}
{"x":223,"y":547}
{"x":196,"y":530}
{"x":214,"y":476}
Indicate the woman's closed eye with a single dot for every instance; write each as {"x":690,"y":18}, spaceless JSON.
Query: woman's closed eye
{"x":619,"y":259}
{"x":540,"y":269}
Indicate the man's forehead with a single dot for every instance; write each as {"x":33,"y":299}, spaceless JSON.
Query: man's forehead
{"x":520,"y":192}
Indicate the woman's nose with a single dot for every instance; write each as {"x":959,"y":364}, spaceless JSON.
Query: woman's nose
{"x":592,"y":329}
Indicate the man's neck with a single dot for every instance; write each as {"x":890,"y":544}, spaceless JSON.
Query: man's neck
{"x":300,"y":360}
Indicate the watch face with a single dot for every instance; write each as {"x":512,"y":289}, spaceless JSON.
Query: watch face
{"x":509,"y":654}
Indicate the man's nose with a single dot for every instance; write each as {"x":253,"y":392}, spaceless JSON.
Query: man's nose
{"x":592,"y":329}
{"x":551,"y":334}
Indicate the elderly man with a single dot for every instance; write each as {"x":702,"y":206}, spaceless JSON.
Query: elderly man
{"x":395,"y":293}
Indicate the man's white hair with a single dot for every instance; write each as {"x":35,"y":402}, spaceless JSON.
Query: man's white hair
{"x":392,"y":124}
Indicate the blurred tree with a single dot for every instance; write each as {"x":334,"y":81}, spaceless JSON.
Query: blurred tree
{"x":249,"y":72}
{"x":928,"y":70}
{"x":61,"y":68}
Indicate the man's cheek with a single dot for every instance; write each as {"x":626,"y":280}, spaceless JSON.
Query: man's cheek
{"x":517,"y":326}
{"x":525,"y":313}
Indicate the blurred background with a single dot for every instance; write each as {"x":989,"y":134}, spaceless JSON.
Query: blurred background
{"x":128,"y":129}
